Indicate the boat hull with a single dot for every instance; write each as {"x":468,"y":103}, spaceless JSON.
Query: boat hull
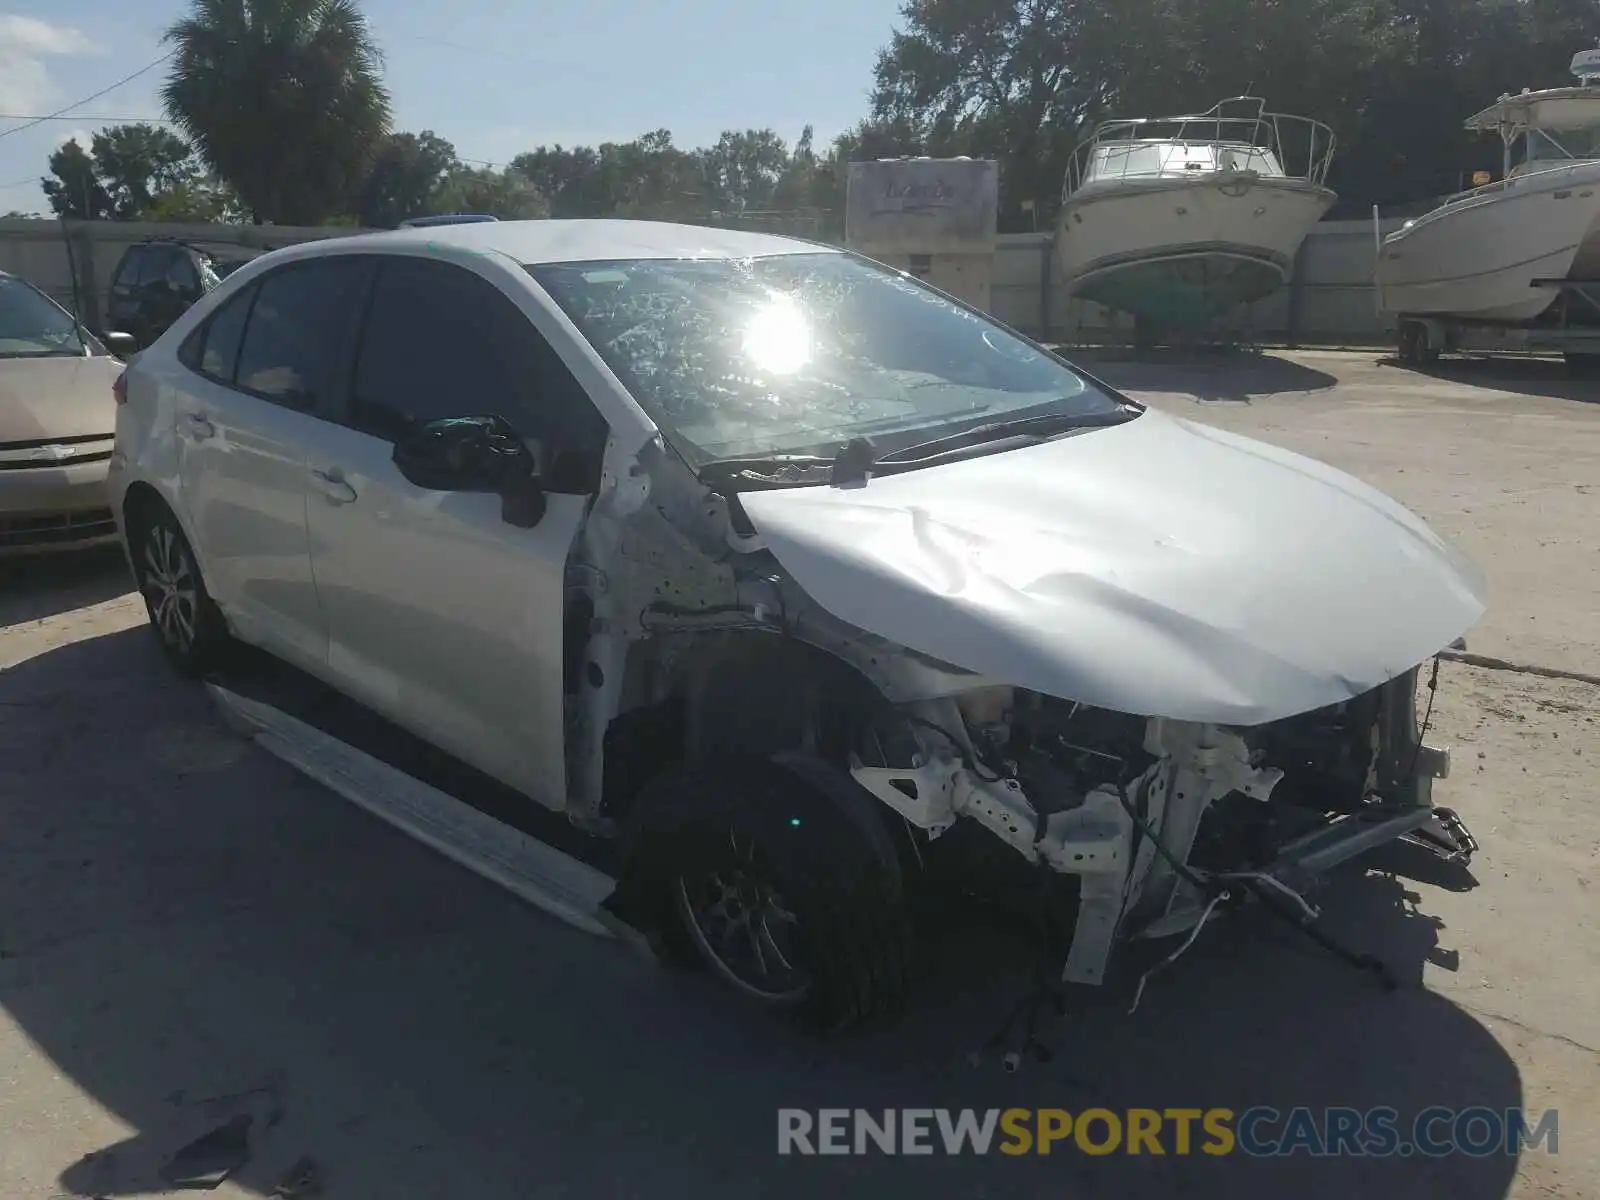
{"x":1183,"y":252}
{"x":1476,"y":257}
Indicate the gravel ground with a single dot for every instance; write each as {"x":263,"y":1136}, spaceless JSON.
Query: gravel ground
{"x":192,"y":933}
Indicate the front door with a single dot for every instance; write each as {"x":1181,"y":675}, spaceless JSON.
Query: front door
{"x":259,"y":380}
{"x":440,"y":614}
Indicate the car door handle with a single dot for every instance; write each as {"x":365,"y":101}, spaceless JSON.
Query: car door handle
{"x":200,"y":427}
{"x":332,"y":484}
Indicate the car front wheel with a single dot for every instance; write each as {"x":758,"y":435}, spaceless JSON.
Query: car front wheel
{"x":759,"y":877}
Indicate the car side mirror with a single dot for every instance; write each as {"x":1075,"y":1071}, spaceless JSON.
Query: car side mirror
{"x":121,"y":344}
{"x":474,"y":454}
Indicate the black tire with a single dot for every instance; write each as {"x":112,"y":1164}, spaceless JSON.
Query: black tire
{"x":1412,"y":335}
{"x":185,"y":620}
{"x":846,"y":936}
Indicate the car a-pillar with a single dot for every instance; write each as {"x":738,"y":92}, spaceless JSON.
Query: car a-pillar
{"x":754,"y":854}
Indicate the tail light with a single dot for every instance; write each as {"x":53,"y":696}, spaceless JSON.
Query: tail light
{"x":119,"y":389}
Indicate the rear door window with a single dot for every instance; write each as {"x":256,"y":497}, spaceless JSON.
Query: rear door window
{"x":213,"y":349}
{"x":153,"y":265}
{"x":297,"y":331}
{"x":181,"y":274}
{"x":128,"y":269}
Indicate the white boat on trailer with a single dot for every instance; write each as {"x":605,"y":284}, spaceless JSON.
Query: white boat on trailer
{"x":1180,"y":220}
{"x":1514,"y":263}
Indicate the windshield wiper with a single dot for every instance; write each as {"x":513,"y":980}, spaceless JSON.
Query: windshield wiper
{"x":766,"y":467}
{"x":850,"y":465}
{"x":856,"y":459}
{"x":1036,"y":428}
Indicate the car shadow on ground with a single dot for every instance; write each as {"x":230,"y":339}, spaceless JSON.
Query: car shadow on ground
{"x":207,"y":944}
{"x":1547,"y":378}
{"x":1232,"y":376}
{"x":35,"y":587}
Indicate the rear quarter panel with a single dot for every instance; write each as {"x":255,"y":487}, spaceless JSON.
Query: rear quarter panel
{"x":147,"y":449}
{"x":147,"y":444}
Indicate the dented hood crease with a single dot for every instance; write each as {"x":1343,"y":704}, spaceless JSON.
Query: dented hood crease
{"x":1158,"y":567}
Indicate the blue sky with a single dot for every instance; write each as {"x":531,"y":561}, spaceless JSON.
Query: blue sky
{"x":495,"y":78}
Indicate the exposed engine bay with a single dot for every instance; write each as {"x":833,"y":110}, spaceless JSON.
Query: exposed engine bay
{"x":1153,"y":815}
{"x":689,"y":617}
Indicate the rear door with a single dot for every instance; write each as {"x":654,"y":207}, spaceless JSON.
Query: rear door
{"x":169,"y":298}
{"x":263,"y":371}
{"x":441,"y":615}
{"x":122,"y":310}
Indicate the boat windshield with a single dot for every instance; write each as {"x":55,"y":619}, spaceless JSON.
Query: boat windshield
{"x":1152,"y":159}
{"x":1540,"y":146}
{"x":1237,"y":135}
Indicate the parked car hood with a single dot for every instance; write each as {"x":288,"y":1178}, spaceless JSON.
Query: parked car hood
{"x":57,"y":397}
{"x":1159,"y":567}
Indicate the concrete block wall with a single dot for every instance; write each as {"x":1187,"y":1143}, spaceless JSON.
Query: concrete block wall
{"x":1330,"y":300}
{"x":73,"y":261}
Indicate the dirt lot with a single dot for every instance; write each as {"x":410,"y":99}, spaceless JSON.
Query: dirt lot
{"x":190,"y":932}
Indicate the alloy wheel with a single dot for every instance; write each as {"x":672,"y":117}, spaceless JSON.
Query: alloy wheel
{"x":171,"y":587}
{"x":744,"y":928}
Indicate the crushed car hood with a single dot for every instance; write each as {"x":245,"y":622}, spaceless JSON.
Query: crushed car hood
{"x":1160,"y":567}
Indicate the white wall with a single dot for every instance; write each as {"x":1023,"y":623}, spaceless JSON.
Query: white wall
{"x":1330,"y":299}
{"x":39,"y":252}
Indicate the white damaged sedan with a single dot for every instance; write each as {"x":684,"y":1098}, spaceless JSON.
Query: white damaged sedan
{"x":786,"y":579}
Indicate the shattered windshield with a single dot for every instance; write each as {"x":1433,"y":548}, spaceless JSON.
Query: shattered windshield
{"x":803,"y":352}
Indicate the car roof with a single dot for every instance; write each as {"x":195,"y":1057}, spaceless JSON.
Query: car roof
{"x":533,"y":243}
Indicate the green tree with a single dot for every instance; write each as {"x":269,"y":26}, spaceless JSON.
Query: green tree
{"x":201,"y":200}
{"x":1446,"y":61}
{"x":503,"y":194}
{"x":1024,"y":80}
{"x":647,"y":177}
{"x":283,"y":99}
{"x":1012,"y":79}
{"x":73,"y":188}
{"x":406,"y":178}
{"x":137,"y":163}
{"x":743,"y":170}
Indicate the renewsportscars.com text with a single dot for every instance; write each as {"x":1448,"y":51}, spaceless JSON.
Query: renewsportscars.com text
{"x":1258,"y":1132}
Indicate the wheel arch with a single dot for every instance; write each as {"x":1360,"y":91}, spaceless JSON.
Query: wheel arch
{"x":771,"y":700}
{"x":767,"y":694}
{"x":142,"y":497}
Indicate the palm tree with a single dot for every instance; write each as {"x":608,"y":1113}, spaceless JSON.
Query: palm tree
{"x":282,"y":99}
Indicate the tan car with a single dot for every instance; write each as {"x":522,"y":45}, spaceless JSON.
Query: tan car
{"x":57,"y":419}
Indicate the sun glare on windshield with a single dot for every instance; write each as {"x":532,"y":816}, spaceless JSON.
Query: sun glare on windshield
{"x":778,"y":338}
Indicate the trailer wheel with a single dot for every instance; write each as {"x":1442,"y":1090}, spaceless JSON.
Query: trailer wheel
{"x":1414,"y":348}
{"x":754,"y":874}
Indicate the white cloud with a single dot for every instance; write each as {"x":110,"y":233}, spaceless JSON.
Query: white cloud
{"x":25,"y":44}
{"x":82,"y":136}
{"x":31,"y":35}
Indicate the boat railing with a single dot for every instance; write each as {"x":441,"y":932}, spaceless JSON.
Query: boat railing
{"x":1302,"y":148}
